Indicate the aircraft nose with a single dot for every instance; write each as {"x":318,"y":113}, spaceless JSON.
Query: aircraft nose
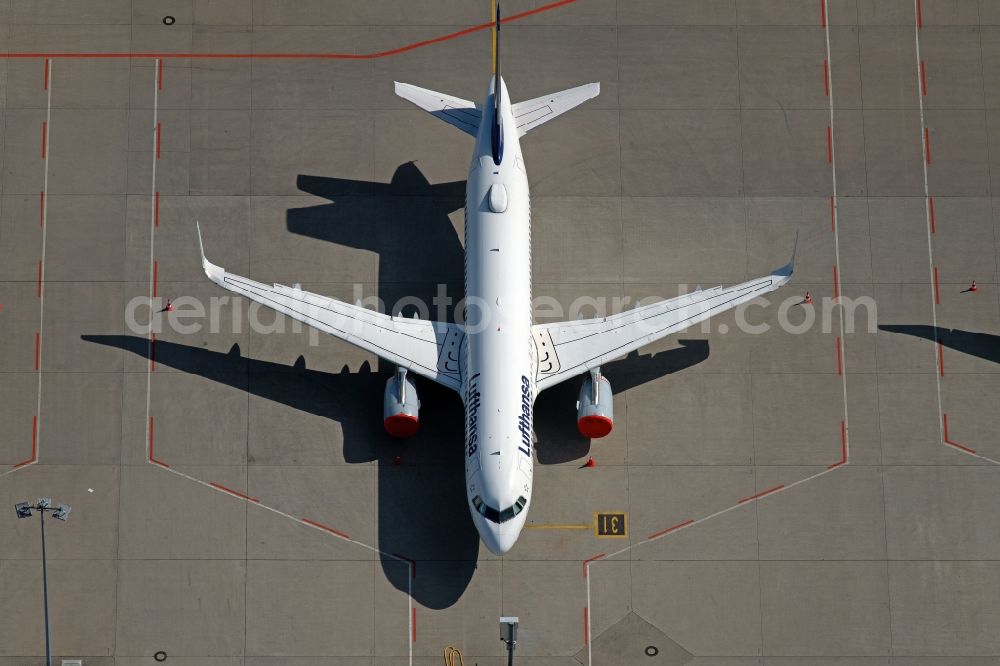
{"x":498,"y":539}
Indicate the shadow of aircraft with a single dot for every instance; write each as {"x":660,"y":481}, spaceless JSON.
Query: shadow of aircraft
{"x":422,"y":510}
{"x":409,"y":229}
{"x":983,"y":345}
{"x":559,"y":440}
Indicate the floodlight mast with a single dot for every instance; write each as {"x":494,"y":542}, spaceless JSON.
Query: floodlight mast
{"x":511,"y":639}
{"x":23,"y":510}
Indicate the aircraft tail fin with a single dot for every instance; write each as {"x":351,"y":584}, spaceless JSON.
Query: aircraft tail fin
{"x":496,"y":37}
{"x":536,"y":112}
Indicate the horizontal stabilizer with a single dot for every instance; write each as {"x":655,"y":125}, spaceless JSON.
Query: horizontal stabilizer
{"x":535,"y":112}
{"x":461,"y":113}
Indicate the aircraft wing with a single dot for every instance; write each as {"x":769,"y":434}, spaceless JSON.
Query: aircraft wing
{"x":534,"y":112}
{"x":569,"y":348}
{"x":430,"y":349}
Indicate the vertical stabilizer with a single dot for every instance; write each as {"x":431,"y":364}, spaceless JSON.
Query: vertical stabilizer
{"x":496,"y":131}
{"x":496,"y":37}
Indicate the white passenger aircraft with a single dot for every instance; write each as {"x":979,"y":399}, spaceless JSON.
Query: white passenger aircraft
{"x":498,"y":360}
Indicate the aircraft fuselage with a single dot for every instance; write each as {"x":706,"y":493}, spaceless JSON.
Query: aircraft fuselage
{"x":498,"y":379}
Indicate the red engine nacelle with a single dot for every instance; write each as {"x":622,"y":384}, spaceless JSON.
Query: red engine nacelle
{"x":400,"y":405}
{"x":595,"y":409}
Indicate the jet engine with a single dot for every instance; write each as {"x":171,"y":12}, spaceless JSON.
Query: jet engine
{"x":400,"y":405}
{"x":595,"y":406}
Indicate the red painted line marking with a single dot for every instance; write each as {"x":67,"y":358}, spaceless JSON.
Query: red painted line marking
{"x":829,"y":144}
{"x":41,"y":209}
{"x":930,"y":203}
{"x":670,"y":529}
{"x":233,"y":492}
{"x":762,"y":494}
{"x":920,"y":13}
{"x":156,"y":209}
{"x":923,"y":78}
{"x":39,"y":278}
{"x":833,"y":215}
{"x":45,"y":126}
{"x":413,"y":562}
{"x":325,"y":528}
{"x":413,"y":638}
{"x":38,"y":346}
{"x":45,"y":75}
{"x":153,"y":458}
{"x":159,"y":75}
{"x":34,"y":444}
{"x":325,"y":56}
{"x":826,"y":77}
{"x":822,"y":11}
{"x":836,"y":284}
{"x":840,"y":358}
{"x":152,"y":352}
{"x":947,"y":439}
{"x":157,"y":140}
{"x":959,"y":446}
{"x":843,"y":447}
{"x":940,"y":350}
{"x":586,"y":627}
{"x":937,"y":288}
{"x":927,"y":145}
{"x":586,"y":563}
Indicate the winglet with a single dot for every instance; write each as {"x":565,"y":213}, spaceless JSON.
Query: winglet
{"x":789,"y":268}
{"x":214,"y":273}
{"x":795,"y":249}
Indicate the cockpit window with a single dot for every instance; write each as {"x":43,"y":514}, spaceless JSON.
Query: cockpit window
{"x":493,"y":515}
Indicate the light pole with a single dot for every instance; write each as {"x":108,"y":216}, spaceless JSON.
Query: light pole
{"x":511,"y":640}
{"x":23,"y":509}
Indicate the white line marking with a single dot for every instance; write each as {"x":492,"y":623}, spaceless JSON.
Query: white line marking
{"x":930,"y":248}
{"x":927,"y":214}
{"x":45,"y":229}
{"x":37,"y":444}
{"x":410,"y":613}
{"x":836,"y":236}
{"x":152,"y":244}
{"x":587,"y":624}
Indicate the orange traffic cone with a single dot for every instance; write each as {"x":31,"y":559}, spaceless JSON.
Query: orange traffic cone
{"x":973,"y":287}
{"x":590,"y":462}
{"x":807,"y":300}
{"x":397,"y":461}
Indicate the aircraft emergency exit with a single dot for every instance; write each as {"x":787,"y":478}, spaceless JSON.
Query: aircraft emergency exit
{"x":498,"y":359}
